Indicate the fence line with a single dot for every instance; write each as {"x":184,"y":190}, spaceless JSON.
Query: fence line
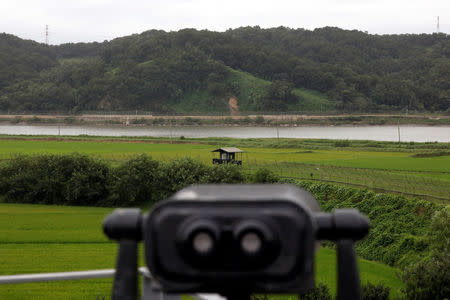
{"x":373,"y":188}
{"x":405,"y":184}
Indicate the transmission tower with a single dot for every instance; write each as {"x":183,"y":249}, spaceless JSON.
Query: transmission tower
{"x":46,"y":34}
{"x":438,"y":30}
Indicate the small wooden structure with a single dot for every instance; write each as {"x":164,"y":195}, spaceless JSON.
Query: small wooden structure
{"x":227,"y":156}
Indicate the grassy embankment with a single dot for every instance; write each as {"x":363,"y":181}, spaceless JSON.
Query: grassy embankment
{"x":38,"y":238}
{"x":419,"y":168}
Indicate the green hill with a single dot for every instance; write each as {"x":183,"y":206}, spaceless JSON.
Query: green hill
{"x":249,"y":89}
{"x":267,"y":70}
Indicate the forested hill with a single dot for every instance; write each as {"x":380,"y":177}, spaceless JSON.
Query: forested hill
{"x":278,"y":69}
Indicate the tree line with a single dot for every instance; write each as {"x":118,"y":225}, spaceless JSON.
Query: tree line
{"x":155,"y":70}
{"x":77,"y":179}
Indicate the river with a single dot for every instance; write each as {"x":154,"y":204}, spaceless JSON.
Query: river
{"x":376,"y":133}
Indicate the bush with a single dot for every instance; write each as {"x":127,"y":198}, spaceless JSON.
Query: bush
{"x":259,"y":120}
{"x":342,"y":143}
{"x":430,"y":277}
{"x":320,"y":292}
{"x":264,"y":175}
{"x":246,"y":120}
{"x":35,"y":119}
{"x":192,"y":121}
{"x":137,"y":182}
{"x":374,"y":292}
{"x":158,"y":121}
{"x":140,"y":121}
{"x":228,"y":120}
{"x":16,"y":119}
{"x":227,"y":173}
{"x":55,"y":179}
{"x":69,"y":120}
{"x":180,"y":173}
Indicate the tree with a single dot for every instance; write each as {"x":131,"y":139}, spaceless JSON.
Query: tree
{"x":278,"y":96}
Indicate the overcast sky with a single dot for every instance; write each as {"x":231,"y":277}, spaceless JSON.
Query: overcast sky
{"x":99,"y":20}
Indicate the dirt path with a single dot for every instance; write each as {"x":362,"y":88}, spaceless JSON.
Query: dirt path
{"x":124,"y":118}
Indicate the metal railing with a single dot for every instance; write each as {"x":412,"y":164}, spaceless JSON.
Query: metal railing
{"x":148,"y":292}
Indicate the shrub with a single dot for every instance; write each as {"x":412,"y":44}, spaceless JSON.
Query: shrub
{"x":35,"y":119}
{"x":342,"y":143}
{"x":69,"y":120}
{"x":264,"y":175}
{"x":320,"y":292}
{"x":180,"y":173}
{"x":246,"y":120}
{"x":138,"y":121}
{"x":16,"y":119}
{"x":259,"y":120}
{"x":227,"y":173}
{"x":158,"y":121}
{"x":430,"y":277}
{"x":228,"y":120}
{"x":55,"y":179}
{"x":374,"y":292}
{"x":192,"y":121}
{"x":137,"y":182}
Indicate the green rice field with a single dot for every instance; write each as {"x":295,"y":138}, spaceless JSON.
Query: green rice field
{"x":39,"y":238}
{"x":384,"y":169}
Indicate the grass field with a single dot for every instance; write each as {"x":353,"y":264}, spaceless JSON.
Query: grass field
{"x":380,"y":168}
{"x":38,"y":238}
{"x":251,"y":88}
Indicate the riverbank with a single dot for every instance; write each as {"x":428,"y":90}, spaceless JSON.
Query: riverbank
{"x":419,"y":148}
{"x":242,"y":120}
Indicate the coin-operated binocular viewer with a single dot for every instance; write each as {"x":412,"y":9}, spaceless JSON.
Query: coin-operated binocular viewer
{"x":234,"y":240}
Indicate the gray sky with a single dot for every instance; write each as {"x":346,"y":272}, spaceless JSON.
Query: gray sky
{"x":99,"y":20}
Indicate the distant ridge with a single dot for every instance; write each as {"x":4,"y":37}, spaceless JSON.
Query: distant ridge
{"x":265,"y":70}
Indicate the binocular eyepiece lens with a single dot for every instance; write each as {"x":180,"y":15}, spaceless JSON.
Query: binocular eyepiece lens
{"x":251,"y":243}
{"x":202,"y":242}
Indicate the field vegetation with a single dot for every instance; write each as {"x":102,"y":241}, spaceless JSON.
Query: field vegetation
{"x":408,"y":168}
{"x":41,"y":238}
{"x":120,"y":172}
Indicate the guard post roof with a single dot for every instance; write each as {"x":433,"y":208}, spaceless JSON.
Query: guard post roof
{"x":228,"y":150}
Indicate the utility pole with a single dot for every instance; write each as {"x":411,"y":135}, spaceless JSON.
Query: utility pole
{"x":278,"y":133}
{"x":171,"y":140}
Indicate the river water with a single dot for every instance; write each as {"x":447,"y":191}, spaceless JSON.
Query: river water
{"x":376,"y":133}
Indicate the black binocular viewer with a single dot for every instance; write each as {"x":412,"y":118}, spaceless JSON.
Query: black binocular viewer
{"x":235,"y":240}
